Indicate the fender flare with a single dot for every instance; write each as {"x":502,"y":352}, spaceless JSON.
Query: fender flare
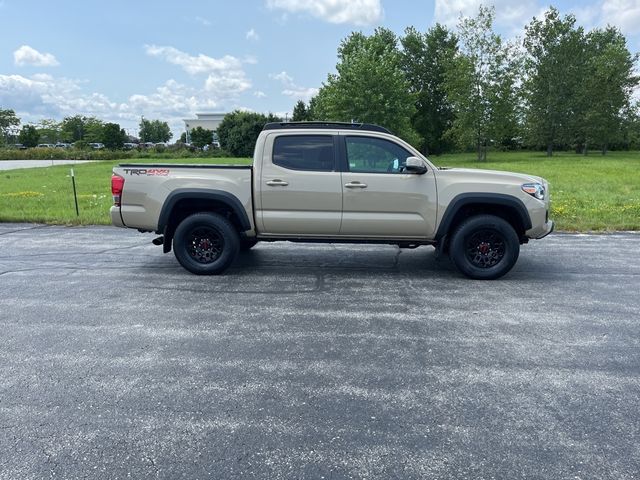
{"x":494,"y":199}
{"x":220,"y":196}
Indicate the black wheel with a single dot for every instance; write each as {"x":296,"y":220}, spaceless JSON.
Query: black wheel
{"x":484,"y":247}
{"x":247,"y":244}
{"x":206,"y":243}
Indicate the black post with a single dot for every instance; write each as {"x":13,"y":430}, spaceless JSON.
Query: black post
{"x":75,"y":195}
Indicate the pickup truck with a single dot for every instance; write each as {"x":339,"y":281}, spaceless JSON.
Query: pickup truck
{"x":333,"y":182}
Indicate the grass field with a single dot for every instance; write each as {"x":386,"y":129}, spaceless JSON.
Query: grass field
{"x":592,"y":193}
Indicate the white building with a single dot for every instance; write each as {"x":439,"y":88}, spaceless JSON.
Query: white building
{"x":208,"y":121}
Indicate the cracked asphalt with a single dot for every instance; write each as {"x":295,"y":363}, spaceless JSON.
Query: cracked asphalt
{"x":316,"y":361}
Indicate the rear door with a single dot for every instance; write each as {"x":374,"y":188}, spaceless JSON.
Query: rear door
{"x":301,"y":191}
{"x":379,"y":198}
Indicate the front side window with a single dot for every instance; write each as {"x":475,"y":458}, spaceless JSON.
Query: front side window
{"x":304,"y":152}
{"x":375,"y":155}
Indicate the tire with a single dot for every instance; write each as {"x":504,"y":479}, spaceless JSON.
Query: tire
{"x":206,"y":243}
{"x":484,"y":247}
{"x":247,"y":244}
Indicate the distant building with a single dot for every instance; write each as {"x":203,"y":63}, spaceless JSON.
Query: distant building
{"x":208,"y":121}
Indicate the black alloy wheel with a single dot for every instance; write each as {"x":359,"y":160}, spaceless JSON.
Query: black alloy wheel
{"x":484,"y":247}
{"x":206,"y":243}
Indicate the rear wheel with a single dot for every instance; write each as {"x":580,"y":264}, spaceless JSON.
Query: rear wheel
{"x":206,"y":243}
{"x":484,"y":247}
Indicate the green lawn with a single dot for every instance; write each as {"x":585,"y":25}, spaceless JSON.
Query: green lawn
{"x":588,"y":193}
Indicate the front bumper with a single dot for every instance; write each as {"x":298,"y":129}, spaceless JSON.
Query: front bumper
{"x":547,"y":229}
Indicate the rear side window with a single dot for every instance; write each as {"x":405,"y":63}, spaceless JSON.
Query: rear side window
{"x":304,"y":152}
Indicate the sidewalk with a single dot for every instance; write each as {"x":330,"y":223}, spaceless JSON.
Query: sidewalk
{"x":15,"y":164}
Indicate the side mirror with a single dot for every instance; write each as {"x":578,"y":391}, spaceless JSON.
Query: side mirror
{"x":415,"y":165}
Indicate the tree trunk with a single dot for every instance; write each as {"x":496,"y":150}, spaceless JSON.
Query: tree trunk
{"x":604,"y":149}
{"x":549,"y":149}
{"x":585,"y":149}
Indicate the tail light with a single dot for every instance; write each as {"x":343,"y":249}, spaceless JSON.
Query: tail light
{"x":117,"y":184}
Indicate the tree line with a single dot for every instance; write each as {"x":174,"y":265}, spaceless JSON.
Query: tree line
{"x":560,"y":87}
{"x":78,"y":130}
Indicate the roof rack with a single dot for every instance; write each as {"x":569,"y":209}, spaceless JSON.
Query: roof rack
{"x":328,"y":125}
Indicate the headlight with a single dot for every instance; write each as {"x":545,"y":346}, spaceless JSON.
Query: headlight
{"x":534,"y":189}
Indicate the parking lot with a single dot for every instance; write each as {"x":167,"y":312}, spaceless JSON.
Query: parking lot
{"x":316,"y":361}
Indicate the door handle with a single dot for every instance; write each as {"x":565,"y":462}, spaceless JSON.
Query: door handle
{"x":277,"y":183}
{"x":355,"y":185}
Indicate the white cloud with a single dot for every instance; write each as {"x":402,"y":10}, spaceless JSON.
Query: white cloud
{"x":44,"y":96}
{"x":624,"y":14}
{"x":301,"y":93}
{"x":226,"y":76}
{"x":26,"y":55}
{"x":509,"y":14}
{"x":283,"y":77}
{"x":358,"y":12}
{"x":291,"y":89}
{"x":194,"y":64}
{"x":259,"y":94}
{"x":253,"y":35}
{"x":203,"y":21}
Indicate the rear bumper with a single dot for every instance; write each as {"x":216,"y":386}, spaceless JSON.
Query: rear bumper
{"x":116,"y":217}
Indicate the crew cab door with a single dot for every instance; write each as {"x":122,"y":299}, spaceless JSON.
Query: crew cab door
{"x":380,"y":199}
{"x":300,"y":185}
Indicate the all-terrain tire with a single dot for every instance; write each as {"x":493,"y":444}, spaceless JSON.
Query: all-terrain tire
{"x":206,"y":243}
{"x":484,"y":247}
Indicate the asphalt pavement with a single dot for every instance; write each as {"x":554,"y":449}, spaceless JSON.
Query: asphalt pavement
{"x":316,"y":361}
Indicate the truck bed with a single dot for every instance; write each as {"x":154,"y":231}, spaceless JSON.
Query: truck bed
{"x":148,"y":187}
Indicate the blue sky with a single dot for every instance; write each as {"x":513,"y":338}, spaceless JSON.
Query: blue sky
{"x":119,"y":60}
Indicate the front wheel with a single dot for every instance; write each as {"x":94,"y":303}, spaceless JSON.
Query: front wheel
{"x":206,"y":243}
{"x":484,"y":247}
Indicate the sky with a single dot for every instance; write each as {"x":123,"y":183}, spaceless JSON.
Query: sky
{"x":120,"y":60}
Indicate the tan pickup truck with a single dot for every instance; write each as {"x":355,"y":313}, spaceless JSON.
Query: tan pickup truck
{"x":333,"y":182}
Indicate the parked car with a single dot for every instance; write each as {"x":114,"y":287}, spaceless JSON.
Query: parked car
{"x":333,"y":182}
{"x":46,"y":145}
{"x":129,"y":146}
{"x":62,"y":145}
{"x":96,"y":145}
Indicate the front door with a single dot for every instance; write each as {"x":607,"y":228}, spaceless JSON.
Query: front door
{"x":379,"y":198}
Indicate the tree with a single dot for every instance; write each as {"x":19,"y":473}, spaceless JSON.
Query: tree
{"x":155,"y":131}
{"x":554,"y":66}
{"x":425,"y":59}
{"x":73,"y":128}
{"x":113,"y":136}
{"x":183,"y":138}
{"x":93,"y":130}
{"x":369,"y":85}
{"x":201,"y":137}
{"x":8,"y":123}
{"x":300,"y":112}
{"x":29,"y":136}
{"x":239,"y":131}
{"x":480,"y":82}
{"x":606,"y":88}
{"x":49,"y":131}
